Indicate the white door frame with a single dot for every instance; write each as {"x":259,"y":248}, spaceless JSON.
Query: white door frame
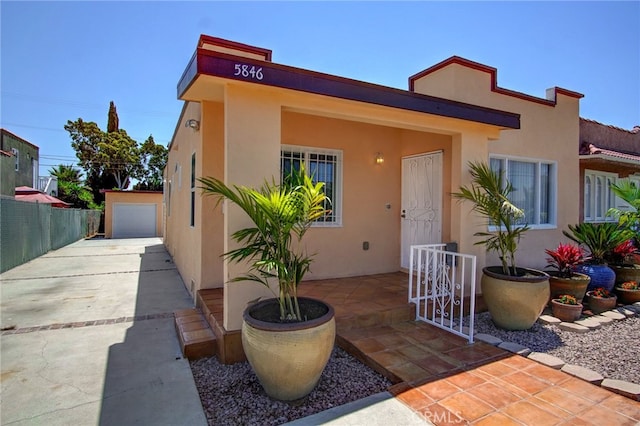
{"x":421,"y":204}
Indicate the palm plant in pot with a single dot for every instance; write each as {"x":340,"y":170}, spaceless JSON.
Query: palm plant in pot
{"x":630,"y":193}
{"x":566,"y":308}
{"x":515,"y":296}
{"x":563,"y":280}
{"x":600,"y":239}
{"x":287,"y":340}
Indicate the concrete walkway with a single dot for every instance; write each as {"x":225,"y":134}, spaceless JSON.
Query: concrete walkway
{"x":88,"y":338}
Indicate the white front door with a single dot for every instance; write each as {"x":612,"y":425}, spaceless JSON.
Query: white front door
{"x":421,"y":202}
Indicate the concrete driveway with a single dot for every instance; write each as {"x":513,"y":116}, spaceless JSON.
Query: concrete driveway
{"x":88,"y":338}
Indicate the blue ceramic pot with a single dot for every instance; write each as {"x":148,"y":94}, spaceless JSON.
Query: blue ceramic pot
{"x":601,"y":276}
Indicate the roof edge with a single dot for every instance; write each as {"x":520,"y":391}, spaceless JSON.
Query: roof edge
{"x":493,"y":72}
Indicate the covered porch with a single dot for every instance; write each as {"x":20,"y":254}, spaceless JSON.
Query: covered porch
{"x":376,"y":324}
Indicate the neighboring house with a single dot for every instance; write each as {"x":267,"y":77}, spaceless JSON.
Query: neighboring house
{"x":607,"y":155}
{"x":7,"y":179}
{"x":32,"y":195}
{"x":24,"y":165}
{"x":390,"y":159}
{"x":133,"y":214}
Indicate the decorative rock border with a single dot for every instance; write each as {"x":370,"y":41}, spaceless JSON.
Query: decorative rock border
{"x":621,"y":387}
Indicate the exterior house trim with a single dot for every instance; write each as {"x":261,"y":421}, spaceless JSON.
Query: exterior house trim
{"x":234,"y":45}
{"x":212,"y":63}
{"x":493,"y":72}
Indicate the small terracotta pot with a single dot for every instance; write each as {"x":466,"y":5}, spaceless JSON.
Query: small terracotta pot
{"x":601,"y":304}
{"x":564,"y":312}
{"x":628,"y":296}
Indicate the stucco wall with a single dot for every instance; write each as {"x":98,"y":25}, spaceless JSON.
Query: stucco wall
{"x":132,"y":197}
{"x":548,"y":132}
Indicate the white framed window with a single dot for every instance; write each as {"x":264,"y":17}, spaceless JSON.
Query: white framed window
{"x":598,"y":196}
{"x":16,"y":156}
{"x":534,"y":188}
{"x":323,"y":165}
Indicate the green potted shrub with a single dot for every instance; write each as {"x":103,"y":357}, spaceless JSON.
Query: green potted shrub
{"x":601,"y":300}
{"x":287,"y":340}
{"x":563,"y":280}
{"x":566,"y":308}
{"x":515,"y":296}
{"x":599,"y":239}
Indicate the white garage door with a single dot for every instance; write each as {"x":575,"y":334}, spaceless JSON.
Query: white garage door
{"x":134,"y":220}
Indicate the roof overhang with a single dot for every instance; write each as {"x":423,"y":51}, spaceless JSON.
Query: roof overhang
{"x":610,"y":159}
{"x":229,"y":67}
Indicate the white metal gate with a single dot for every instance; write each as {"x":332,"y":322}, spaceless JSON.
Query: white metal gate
{"x":442,"y":285}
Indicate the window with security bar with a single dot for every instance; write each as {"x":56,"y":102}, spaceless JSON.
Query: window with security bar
{"x":323,"y":165}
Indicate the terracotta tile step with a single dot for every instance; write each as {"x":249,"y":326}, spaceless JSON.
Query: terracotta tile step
{"x":194,"y":334}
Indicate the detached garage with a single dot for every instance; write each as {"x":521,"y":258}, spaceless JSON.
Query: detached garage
{"x":133,"y":214}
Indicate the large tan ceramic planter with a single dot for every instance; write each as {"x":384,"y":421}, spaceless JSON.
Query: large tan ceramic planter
{"x":515,"y":303}
{"x":288,"y":358}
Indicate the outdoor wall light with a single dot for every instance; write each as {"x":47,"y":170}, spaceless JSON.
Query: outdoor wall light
{"x":379,"y":158}
{"x":193,"y":123}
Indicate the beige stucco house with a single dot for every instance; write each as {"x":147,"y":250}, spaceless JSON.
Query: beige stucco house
{"x":390,"y":157}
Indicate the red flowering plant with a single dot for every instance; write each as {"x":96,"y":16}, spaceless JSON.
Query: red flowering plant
{"x":619,"y":254}
{"x":601,"y":292}
{"x":630,"y":285}
{"x":564,"y":259}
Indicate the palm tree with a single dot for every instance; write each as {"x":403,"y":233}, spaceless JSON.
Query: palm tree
{"x":630,"y":193}
{"x":66,"y":173}
{"x":489,"y":194}
{"x":281,"y":215}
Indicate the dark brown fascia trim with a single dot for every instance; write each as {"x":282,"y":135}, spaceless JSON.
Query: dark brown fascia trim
{"x":207,"y":62}
{"x":493,"y":72}
{"x":204,"y":39}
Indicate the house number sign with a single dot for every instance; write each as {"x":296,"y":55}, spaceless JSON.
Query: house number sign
{"x":248,"y":71}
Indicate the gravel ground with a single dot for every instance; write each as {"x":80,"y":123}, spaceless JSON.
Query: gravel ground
{"x":611,"y":350}
{"x":232,"y":395}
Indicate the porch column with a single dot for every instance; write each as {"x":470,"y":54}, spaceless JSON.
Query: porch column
{"x":467,"y":146}
{"x":252,"y":127}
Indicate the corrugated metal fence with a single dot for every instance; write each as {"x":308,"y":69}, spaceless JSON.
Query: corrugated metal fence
{"x":29,"y":230}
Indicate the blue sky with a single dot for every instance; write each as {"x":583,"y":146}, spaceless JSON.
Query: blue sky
{"x":65,"y":60}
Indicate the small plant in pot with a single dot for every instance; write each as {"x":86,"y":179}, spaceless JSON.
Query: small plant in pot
{"x":620,"y":259}
{"x":563,"y":280}
{"x":287,"y":340}
{"x":566,"y":308}
{"x":628,"y":292}
{"x":515,"y":296}
{"x":601,"y":300}
{"x":599,"y":239}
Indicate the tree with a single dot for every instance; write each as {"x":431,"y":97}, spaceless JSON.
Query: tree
{"x":113,"y":124}
{"x":66,"y":173}
{"x":70,"y":188}
{"x":110,"y":159}
{"x":153,"y":158}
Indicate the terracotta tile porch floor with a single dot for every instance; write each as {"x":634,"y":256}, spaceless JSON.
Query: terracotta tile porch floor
{"x":445,"y":379}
